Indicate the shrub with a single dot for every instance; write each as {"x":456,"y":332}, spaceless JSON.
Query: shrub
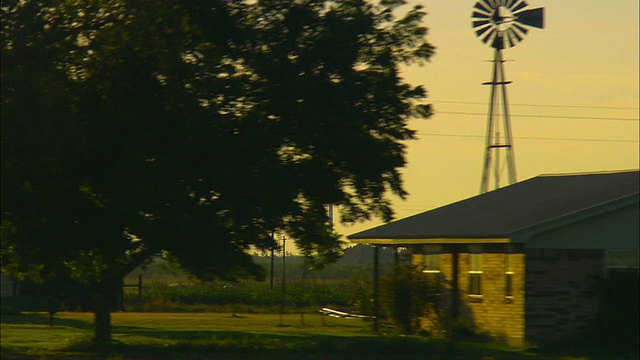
{"x":617,"y":323}
{"x":405,"y":294}
{"x":463,"y":330}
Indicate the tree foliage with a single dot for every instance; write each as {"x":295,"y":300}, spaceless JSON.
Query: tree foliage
{"x":197,"y":128}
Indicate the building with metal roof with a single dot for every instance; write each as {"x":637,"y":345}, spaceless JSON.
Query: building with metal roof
{"x":519,"y":262}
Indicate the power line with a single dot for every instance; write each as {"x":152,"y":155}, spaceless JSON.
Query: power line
{"x":545,"y":105}
{"x":532,"y":138}
{"x":541,"y":116}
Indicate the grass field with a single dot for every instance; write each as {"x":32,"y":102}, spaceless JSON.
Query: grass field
{"x":246,"y":336}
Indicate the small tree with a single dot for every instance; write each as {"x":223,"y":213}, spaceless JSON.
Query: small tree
{"x":406,"y":294}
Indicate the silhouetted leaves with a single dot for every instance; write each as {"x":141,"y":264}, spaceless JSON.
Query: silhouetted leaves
{"x":198,"y":127}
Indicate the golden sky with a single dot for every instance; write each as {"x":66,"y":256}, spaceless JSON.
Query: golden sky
{"x":584,"y":63}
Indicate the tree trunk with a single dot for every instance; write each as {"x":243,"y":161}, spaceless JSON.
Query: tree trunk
{"x":103,"y":297}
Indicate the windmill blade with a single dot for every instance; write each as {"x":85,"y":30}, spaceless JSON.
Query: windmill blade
{"x":513,"y":33}
{"x":519,"y":6}
{"x":504,"y":23}
{"x":486,"y":38}
{"x":477,"y":23}
{"x":482,"y":7}
{"x":486,"y":4}
{"x":533,"y":17}
{"x":479,"y":15}
{"x":483,"y":30}
{"x":522,"y":29}
{"x":498,"y":42}
{"x":511,"y":37}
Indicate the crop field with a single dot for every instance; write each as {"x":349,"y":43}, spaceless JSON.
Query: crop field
{"x":243,"y":336}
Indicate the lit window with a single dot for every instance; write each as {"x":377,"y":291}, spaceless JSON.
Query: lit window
{"x":475,"y":274}
{"x":621,"y":261}
{"x":508,"y":276}
{"x":431,"y":263}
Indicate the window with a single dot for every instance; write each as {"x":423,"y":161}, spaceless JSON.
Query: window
{"x":431,"y":263}
{"x":621,"y":261}
{"x":475,"y":275}
{"x":508,"y":276}
{"x":431,"y":259}
{"x":431,"y":269}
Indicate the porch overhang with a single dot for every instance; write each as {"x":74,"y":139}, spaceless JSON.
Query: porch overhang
{"x":401,"y":242}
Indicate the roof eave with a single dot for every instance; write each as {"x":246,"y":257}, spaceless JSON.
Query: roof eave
{"x":401,"y":242}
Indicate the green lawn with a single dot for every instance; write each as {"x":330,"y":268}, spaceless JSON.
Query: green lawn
{"x":247,"y":336}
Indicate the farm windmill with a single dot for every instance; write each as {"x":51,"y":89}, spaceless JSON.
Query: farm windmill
{"x":501,"y":24}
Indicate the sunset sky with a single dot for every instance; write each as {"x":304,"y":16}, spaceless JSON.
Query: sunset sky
{"x":583,"y":64}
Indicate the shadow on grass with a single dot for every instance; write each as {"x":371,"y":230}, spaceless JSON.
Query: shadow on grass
{"x":43,"y":319}
{"x":591,"y":349}
{"x":151,"y":343}
{"x":243,"y":345}
{"x":211,"y":344}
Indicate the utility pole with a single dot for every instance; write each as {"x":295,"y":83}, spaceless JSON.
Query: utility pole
{"x":284,"y":256}
{"x":273,"y":247}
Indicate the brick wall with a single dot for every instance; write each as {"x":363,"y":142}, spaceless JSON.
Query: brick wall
{"x":560,"y":298}
{"x":492,"y":313}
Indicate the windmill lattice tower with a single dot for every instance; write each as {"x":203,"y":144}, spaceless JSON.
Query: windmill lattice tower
{"x":501,"y":24}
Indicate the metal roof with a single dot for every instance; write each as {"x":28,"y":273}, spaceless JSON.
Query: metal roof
{"x":502,"y":212}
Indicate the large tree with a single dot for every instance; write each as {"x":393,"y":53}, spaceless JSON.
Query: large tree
{"x":197,"y":128}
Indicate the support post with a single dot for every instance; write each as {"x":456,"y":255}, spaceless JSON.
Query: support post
{"x":140,"y":291}
{"x":376,"y":294}
{"x":455,"y":288}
